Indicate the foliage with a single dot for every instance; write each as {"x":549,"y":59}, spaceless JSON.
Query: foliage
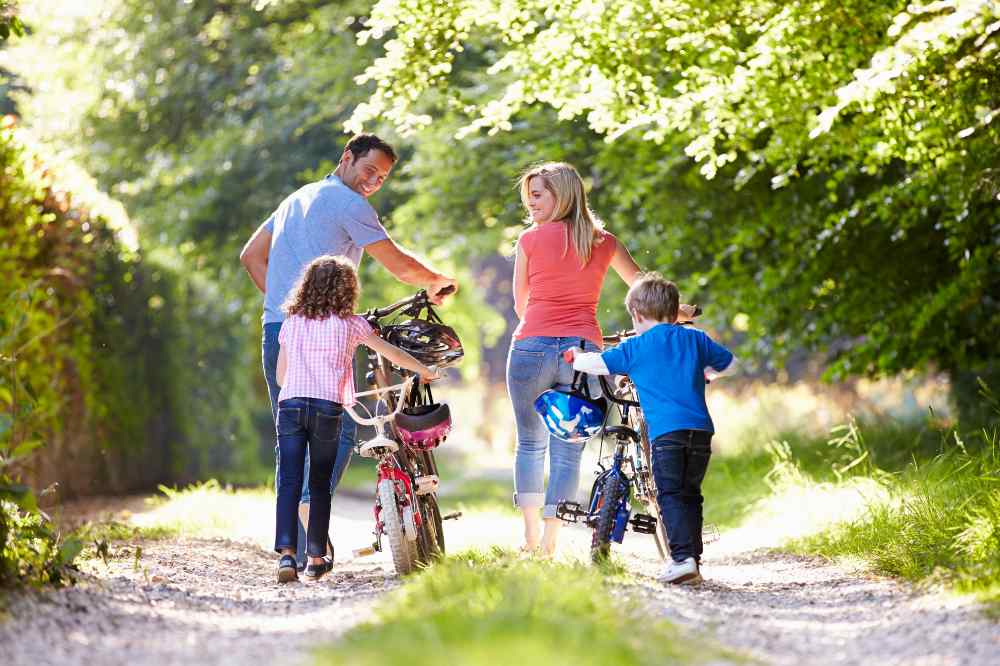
{"x":854,"y":202}
{"x":10,"y":23}
{"x":481,"y":608}
{"x":93,"y":348}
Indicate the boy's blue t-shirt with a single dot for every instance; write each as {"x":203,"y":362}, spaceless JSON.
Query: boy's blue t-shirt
{"x":667,"y":365}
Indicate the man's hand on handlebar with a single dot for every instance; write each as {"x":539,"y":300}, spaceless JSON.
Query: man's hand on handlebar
{"x":429,"y":374}
{"x":440,"y":288}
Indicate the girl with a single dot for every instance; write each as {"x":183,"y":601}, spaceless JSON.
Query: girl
{"x":317,"y":341}
{"x":559,"y":269}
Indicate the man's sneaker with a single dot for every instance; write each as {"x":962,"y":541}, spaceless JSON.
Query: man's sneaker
{"x":682,"y":573}
{"x":287,"y":571}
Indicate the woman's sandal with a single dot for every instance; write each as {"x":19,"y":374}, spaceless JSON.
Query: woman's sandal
{"x":287,"y":571}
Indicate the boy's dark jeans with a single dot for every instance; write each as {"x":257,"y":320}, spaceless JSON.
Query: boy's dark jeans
{"x":680,"y":459}
{"x":313,"y":425}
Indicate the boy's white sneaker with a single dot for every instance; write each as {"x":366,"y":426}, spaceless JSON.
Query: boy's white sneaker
{"x":682,"y":573}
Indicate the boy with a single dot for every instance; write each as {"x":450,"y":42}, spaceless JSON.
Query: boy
{"x":669,"y":364}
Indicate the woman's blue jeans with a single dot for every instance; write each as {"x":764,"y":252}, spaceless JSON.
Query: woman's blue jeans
{"x":313,"y":425}
{"x":535,"y":365}
{"x":680,"y":460}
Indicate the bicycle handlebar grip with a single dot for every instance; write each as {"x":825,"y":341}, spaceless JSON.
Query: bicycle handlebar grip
{"x":568,"y":355}
{"x":447,"y":290}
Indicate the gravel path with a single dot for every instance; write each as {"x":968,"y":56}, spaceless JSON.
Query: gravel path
{"x":213,"y":601}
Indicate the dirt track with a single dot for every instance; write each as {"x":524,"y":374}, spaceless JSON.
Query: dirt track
{"x":214,"y":601}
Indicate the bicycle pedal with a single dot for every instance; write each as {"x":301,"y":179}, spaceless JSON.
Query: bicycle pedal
{"x":454,"y":515}
{"x":571,"y":512}
{"x":643,"y":523}
{"x":426,"y":484}
{"x":365,"y":552}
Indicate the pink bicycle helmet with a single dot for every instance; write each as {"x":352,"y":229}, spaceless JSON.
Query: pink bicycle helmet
{"x":424,"y":427}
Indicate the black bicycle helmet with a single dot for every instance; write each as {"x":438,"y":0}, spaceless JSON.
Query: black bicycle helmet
{"x":429,"y":342}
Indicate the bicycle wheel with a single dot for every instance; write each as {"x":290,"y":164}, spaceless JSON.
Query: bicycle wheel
{"x":431,"y":535}
{"x":404,"y":551}
{"x":612,"y":491}
{"x":649,"y":489}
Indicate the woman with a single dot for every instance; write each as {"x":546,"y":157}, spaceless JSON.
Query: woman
{"x":559,"y":269}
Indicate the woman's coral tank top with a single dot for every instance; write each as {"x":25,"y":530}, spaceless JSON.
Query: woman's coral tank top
{"x":562,"y":294}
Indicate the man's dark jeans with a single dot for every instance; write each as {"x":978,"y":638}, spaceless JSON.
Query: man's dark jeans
{"x":313,"y":425}
{"x":680,"y":459}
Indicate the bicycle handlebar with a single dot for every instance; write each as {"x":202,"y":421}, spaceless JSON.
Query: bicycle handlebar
{"x":610,"y":394}
{"x":403,"y":388}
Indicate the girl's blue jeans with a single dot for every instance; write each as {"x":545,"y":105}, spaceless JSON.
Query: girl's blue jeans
{"x":313,"y":425}
{"x":535,"y":365}
{"x":348,"y":429}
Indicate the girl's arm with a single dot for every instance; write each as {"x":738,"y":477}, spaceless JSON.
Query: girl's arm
{"x":624,"y":264}
{"x":282,"y":366}
{"x":520,"y":282}
{"x":400,"y":357}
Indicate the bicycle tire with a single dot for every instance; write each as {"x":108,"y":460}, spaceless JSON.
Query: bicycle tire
{"x":431,"y":534}
{"x":650,"y":500}
{"x":404,"y":551}
{"x":611,"y":495}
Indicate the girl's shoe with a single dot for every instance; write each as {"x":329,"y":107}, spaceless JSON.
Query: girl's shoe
{"x":287,"y":571}
{"x":316,"y":571}
{"x":682,"y":573}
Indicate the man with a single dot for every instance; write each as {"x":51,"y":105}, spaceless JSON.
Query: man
{"x":331,"y":216}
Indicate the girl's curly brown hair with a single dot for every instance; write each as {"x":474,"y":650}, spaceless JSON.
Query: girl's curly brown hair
{"x":328,"y":286}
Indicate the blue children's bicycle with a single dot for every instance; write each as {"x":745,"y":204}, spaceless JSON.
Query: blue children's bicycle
{"x":630,"y":475}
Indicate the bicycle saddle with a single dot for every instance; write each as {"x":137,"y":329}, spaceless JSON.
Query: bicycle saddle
{"x":622,"y":431}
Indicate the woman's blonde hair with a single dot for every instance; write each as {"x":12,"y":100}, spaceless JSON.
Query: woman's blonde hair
{"x":565,"y":184}
{"x":327,"y":287}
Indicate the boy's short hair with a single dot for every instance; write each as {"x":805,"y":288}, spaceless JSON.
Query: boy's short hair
{"x":653,"y":297}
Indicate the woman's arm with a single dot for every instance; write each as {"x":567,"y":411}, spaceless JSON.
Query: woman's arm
{"x":520,"y":281}
{"x":624,"y":264}
{"x":282,"y":366}
{"x":400,"y":357}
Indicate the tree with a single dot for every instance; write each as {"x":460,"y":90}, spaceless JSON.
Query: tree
{"x":850,"y":147}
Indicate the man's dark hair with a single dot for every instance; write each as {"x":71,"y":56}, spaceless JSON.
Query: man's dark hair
{"x":360,"y":144}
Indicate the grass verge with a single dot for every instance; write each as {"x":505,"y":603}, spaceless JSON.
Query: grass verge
{"x":488,"y":608}
{"x":907,"y":498}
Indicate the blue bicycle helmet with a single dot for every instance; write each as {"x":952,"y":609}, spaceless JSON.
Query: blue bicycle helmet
{"x":572,"y":416}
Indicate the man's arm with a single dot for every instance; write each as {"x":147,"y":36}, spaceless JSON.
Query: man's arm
{"x":254,"y":256}
{"x":408,"y":268}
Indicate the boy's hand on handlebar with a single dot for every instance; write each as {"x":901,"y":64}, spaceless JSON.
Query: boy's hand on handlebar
{"x":440,"y":288}
{"x":687,"y":312}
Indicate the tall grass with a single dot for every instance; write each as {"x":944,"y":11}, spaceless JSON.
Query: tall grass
{"x":491,"y":608}
{"x":939,"y":523}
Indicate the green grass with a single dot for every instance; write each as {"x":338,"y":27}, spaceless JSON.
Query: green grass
{"x":489,"y":608}
{"x":932,"y":498}
{"x":940,"y":523}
